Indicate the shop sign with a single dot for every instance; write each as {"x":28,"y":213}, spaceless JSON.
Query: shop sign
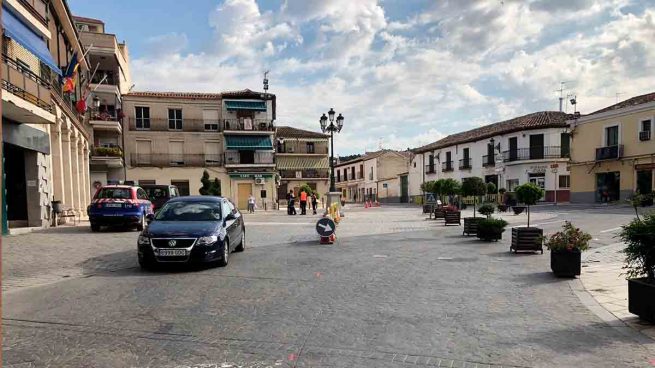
{"x":538,"y":169}
{"x":250,"y":176}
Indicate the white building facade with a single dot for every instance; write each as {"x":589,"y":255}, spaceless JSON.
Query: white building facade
{"x":532,"y":148}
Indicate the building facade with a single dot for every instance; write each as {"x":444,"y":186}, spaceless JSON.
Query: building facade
{"x":613,"y":154}
{"x":377,"y":176}
{"x":110,"y":79}
{"x":171,"y":138}
{"x":46,"y":135}
{"x":302,"y":157}
{"x":532,"y":148}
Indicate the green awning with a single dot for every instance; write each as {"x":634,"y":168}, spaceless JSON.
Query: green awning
{"x":245,"y":105}
{"x":248,"y":142}
{"x":302,"y":163}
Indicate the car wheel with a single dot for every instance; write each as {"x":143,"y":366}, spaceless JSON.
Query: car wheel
{"x":95,"y":228}
{"x":242,"y":244}
{"x":226,"y":253}
{"x":142,"y":223}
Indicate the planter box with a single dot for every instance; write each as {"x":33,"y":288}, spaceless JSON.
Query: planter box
{"x":565,"y":263}
{"x":518,"y":210}
{"x":471,"y":225}
{"x":641,"y":299}
{"x":453,"y":218}
{"x":439,"y":212}
{"x":490,"y":235}
{"x":428,"y":208}
{"x":502,"y":208}
{"x":527,"y":238}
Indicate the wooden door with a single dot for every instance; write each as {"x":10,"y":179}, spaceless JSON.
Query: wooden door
{"x":243,"y":192}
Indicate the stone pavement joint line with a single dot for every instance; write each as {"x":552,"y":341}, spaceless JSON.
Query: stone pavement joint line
{"x":252,"y":346}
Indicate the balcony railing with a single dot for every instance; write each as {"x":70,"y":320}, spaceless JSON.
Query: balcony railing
{"x":447,"y":166}
{"x":609,"y":152}
{"x":534,"y":153}
{"x":488,"y":160}
{"x":305,"y":174}
{"x":429,"y":169}
{"x":114,"y":151}
{"x":104,"y":116}
{"x":235,"y":158}
{"x":644,"y":135}
{"x":26,"y":84}
{"x":174,"y":160}
{"x":161,"y":125}
{"x":465,"y":163}
{"x":245,"y":125}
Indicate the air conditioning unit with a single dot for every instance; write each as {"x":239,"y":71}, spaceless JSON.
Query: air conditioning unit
{"x":259,"y":181}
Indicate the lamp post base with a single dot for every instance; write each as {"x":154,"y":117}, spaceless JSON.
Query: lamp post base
{"x":333,"y":197}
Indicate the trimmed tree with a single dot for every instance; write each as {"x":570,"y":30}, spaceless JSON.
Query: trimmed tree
{"x":209,"y":187}
{"x":475,"y":187}
{"x":450,"y":187}
{"x":529,"y":194}
{"x":491,"y":188}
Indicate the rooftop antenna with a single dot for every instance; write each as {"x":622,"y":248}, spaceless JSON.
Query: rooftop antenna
{"x":561,"y":93}
{"x":569,"y":97}
{"x":266,"y":81}
{"x":617,"y":96}
{"x":380,"y":143}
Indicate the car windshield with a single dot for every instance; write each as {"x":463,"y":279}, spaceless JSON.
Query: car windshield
{"x":154,"y":193}
{"x":116,"y":193}
{"x":190,"y":211}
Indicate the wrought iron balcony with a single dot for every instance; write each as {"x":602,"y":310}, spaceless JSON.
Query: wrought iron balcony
{"x":248,"y":125}
{"x":237,"y":158}
{"x":429,"y":169}
{"x":609,"y":152}
{"x":113,"y":151}
{"x":465,"y":163}
{"x":534,"y":153}
{"x":644,"y":135}
{"x":25,"y":84}
{"x":174,"y":160}
{"x":447,"y":166}
{"x":304,"y":174}
{"x":488,"y":160}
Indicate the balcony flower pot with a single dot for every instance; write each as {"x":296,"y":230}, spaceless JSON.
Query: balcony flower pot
{"x":471,"y":225}
{"x":639,"y":237}
{"x":491,"y":229}
{"x":641,"y":298}
{"x":527,"y":239}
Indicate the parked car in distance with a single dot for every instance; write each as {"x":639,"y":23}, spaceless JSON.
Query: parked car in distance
{"x":160,"y":194}
{"x":119,"y":205}
{"x":192,"y":229}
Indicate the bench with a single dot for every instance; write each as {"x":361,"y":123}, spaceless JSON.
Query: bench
{"x":64,"y":211}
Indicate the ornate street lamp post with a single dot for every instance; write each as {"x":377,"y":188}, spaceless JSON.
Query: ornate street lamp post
{"x":331,"y":128}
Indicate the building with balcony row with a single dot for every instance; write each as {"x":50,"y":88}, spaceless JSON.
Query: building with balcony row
{"x":613,"y":151}
{"x":302,"y":157}
{"x":532,"y":148}
{"x":171,"y":138}
{"x":377,"y":176}
{"x":46,"y":141}
{"x":110,"y":80}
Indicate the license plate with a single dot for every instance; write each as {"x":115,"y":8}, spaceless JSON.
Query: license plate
{"x":113,"y":205}
{"x":172,"y":252}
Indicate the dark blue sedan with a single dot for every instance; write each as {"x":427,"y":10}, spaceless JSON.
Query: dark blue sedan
{"x":193,"y":229}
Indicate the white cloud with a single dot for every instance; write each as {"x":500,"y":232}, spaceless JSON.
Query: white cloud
{"x":449,"y":67}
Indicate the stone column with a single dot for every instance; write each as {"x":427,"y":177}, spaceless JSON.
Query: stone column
{"x":86,"y":193}
{"x":57,"y":164}
{"x":67,"y":169}
{"x":77,"y":173}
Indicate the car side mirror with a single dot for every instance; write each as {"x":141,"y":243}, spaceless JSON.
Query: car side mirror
{"x":230,"y":216}
{"x":150,"y":217}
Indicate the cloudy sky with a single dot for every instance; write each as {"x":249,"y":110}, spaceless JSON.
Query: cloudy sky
{"x":403,"y":72}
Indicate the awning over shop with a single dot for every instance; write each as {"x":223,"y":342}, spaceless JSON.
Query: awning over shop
{"x":245,"y":105}
{"x":15,"y":29}
{"x":302,"y":163}
{"x":248,"y":142}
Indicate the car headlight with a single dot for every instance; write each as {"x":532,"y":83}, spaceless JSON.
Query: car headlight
{"x":144,"y":240}
{"x":207,"y":240}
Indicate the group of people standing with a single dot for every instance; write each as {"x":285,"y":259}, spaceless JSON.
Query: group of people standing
{"x":303,"y":196}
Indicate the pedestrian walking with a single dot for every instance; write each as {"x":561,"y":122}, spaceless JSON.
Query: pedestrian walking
{"x":303,"y":202}
{"x":251,"y":204}
{"x":291,"y":209}
{"x":314,"y":202}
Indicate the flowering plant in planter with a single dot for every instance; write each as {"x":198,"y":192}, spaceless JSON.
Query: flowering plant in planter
{"x":451,"y":208}
{"x":639,"y":235}
{"x":569,"y":239}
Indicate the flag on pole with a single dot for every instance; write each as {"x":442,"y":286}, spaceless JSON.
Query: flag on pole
{"x":70,"y":74}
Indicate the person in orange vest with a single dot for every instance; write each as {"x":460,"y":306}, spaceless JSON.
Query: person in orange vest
{"x":303,"y":203}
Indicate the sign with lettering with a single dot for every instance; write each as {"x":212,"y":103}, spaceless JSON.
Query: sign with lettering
{"x":538,"y":169}
{"x":250,"y":175}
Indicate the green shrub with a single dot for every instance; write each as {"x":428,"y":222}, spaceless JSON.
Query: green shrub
{"x":491,"y":228}
{"x":491,"y":188}
{"x":108,"y":151}
{"x":502,"y":190}
{"x":639,"y":235}
{"x":569,"y":238}
{"x":486,"y":209}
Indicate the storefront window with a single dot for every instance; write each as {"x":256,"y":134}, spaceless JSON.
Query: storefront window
{"x":608,"y":186}
{"x":645,"y":181}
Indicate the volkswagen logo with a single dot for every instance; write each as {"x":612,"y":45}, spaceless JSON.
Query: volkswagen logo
{"x":171,"y":243}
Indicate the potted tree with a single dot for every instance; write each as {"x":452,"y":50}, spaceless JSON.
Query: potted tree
{"x":566,"y":247}
{"x":474,"y":187}
{"x":437,"y":189}
{"x":639,"y":236}
{"x":451,"y":187}
{"x":528,"y":238}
